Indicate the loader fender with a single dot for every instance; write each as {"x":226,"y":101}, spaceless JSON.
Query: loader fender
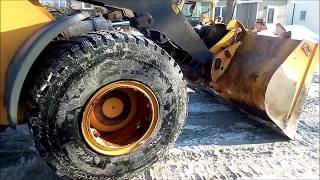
{"x":26,"y":56}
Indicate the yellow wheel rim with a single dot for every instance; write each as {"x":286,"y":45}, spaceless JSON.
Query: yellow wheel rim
{"x":120,"y":118}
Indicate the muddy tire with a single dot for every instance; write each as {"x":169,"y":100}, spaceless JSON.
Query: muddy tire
{"x":75,"y":71}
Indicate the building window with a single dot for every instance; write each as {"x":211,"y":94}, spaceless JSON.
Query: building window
{"x":186,"y":10}
{"x":205,"y":7}
{"x":303,"y":15}
{"x":270,"y":16}
{"x":220,"y":11}
{"x":86,"y":6}
{"x":54,"y":3}
{"x":59,"y":3}
{"x":201,"y":8}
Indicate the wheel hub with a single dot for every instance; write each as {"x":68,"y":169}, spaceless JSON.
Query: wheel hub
{"x":120,"y":118}
{"x":112,"y":107}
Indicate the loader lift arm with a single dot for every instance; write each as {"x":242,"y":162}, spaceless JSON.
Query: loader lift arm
{"x":166,"y":20}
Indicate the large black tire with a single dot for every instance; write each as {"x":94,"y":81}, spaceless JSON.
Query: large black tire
{"x":3,"y":128}
{"x":76,"y":70}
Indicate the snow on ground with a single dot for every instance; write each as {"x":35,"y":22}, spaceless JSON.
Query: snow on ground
{"x":226,"y":144}
{"x":301,"y":32}
{"x":297,"y":32}
{"x":217,"y":142}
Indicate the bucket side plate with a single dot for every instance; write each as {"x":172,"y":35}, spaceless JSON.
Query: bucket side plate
{"x":269,"y":78}
{"x":289,"y":85}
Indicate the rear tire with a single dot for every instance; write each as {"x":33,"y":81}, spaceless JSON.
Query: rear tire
{"x":75,"y":71}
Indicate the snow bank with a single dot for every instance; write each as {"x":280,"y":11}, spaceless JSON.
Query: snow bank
{"x":298,"y":33}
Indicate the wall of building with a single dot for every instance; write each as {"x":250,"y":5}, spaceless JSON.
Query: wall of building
{"x":81,"y":5}
{"x":63,"y":3}
{"x":280,"y":13}
{"x":247,"y":14}
{"x":54,"y":3}
{"x":311,"y":8}
{"x":248,"y":10}
{"x":76,"y":4}
{"x":222,"y":3}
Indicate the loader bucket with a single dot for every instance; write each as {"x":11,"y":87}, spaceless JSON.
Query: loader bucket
{"x":269,"y":78}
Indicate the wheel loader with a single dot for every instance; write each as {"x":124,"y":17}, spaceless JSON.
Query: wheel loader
{"x":103,"y":101}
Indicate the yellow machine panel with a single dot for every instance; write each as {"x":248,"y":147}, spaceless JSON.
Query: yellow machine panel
{"x":19,"y":20}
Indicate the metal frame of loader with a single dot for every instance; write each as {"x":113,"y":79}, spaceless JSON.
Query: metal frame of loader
{"x":121,"y":97}
{"x":149,"y":14}
{"x":251,"y":84}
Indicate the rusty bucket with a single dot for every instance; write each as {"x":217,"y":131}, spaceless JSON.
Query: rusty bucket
{"x":269,"y":77}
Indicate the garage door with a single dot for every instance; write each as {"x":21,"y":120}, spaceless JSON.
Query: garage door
{"x":247,"y":14}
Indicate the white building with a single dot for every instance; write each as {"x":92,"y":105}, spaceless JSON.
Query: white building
{"x":63,"y":3}
{"x":248,"y":11}
{"x":304,"y":13}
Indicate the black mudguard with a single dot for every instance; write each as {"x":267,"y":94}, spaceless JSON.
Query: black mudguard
{"x":25,"y":58}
